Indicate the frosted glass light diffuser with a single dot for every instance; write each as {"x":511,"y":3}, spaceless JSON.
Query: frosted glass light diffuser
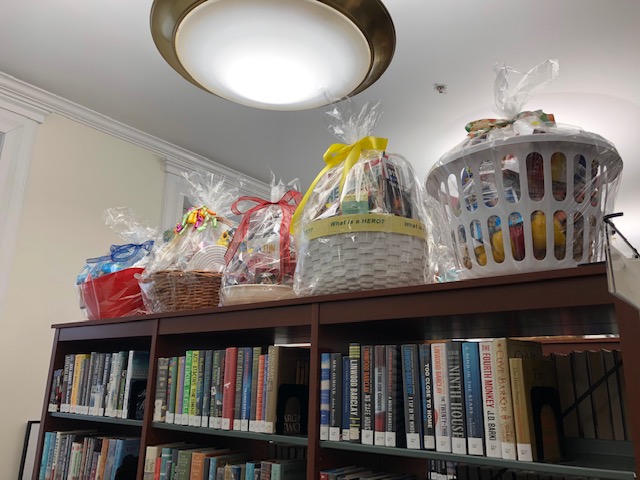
{"x":273,"y":54}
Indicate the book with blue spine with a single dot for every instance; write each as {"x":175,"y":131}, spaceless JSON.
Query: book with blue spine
{"x":335,"y":398}
{"x":346,"y":366}
{"x":247,"y":375}
{"x":426,"y":396}
{"x":411,"y":393}
{"x":325,"y":394}
{"x":45,"y":455}
{"x":473,"y":397}
{"x":206,"y":388}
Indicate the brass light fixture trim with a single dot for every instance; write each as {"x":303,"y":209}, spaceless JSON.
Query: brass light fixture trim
{"x":369,"y":16}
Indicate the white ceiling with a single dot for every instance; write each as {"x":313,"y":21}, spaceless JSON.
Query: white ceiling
{"x":100,"y":54}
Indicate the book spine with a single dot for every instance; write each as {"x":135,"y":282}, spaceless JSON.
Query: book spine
{"x":197,"y":421}
{"x":354,"y":392}
{"x":380,"y":398}
{"x":94,"y":404}
{"x":335,"y":397}
{"x":456,"y":399}
{"x":505,"y":403}
{"x":172,"y":382}
{"x":261,"y":425}
{"x":367,"y":393}
{"x":182,"y":361}
{"x":346,"y":371}
{"x":228,"y":386}
{"x":120,"y":381}
{"x":104,"y":386}
{"x":394,"y":433}
{"x":114,"y":376}
{"x":255,"y":379}
{"x":121,"y":393}
{"x":186,"y":387}
{"x":518,"y":395}
{"x":410,"y":389}
{"x":76,"y":381}
{"x":325,"y":394}
{"x":237,"y":411}
{"x":206,"y":388}
{"x":247,"y":379}
{"x":260,"y":392}
{"x":193,"y":387}
{"x":160,"y":402}
{"x":493,"y":448}
{"x":441,"y":396}
{"x":473,"y":397}
{"x":87,"y":384}
{"x":67,"y":381}
{"x":426,"y":394}
{"x":272,"y":389}
{"x":217,"y":376}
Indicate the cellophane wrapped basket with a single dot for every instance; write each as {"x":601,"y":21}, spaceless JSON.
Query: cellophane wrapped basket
{"x":361,"y":224}
{"x":524,"y":193}
{"x":261,"y":258}
{"x":107,"y":285}
{"x":185,"y":273}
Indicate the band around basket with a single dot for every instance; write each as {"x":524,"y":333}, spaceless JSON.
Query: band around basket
{"x":367,"y":222}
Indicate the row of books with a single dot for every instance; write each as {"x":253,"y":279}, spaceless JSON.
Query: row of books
{"x":237,"y":388}
{"x":102,"y":384}
{"x":86,"y":455}
{"x":592,"y":394}
{"x":440,"y":470}
{"x":477,"y":398}
{"x":180,"y":461}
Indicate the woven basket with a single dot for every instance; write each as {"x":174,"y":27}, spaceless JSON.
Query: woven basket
{"x":175,"y":290}
{"x":361,"y":260}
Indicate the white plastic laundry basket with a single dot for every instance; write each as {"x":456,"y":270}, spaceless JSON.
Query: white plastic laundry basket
{"x":549,"y":191}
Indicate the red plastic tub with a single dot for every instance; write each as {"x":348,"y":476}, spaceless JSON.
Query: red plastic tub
{"x":113,"y":295}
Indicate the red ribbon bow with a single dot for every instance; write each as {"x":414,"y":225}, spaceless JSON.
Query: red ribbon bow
{"x":288,"y":204}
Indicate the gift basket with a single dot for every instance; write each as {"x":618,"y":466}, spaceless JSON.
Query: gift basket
{"x":107,"y":285}
{"x":185,"y":273}
{"x":261,"y":256}
{"x":524,"y":193}
{"x":361,"y":224}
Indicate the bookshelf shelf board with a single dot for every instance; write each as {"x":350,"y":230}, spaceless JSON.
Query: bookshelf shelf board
{"x":97,"y":419}
{"x":282,"y":439}
{"x":598,"y":466}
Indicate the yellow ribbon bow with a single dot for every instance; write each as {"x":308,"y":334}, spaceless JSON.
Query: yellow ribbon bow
{"x":334,"y":156}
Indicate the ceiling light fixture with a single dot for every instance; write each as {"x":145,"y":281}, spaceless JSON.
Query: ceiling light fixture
{"x":275,"y":54}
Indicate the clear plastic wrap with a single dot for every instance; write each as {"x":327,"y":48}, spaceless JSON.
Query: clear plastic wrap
{"x":261,"y":257}
{"x":547,"y":184}
{"x":185,"y":273}
{"x":361,"y":225}
{"x":107,"y":285}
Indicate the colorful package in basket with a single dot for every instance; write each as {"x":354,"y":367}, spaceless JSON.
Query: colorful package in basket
{"x":522,"y":192}
{"x":361,"y":224}
{"x":261,"y":256}
{"x":107,"y":285}
{"x":185,"y":272}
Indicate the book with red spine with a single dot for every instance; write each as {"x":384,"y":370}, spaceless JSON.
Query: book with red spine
{"x":229,"y":387}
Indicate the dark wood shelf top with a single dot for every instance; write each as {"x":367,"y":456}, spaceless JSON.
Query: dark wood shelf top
{"x":581,"y":286}
{"x":594,"y":466}
{"x":282,"y":439}
{"x":97,"y":419}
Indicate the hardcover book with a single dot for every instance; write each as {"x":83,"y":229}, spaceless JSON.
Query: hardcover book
{"x":354,"y":392}
{"x":325,"y":394}
{"x":411,"y":393}
{"x":380,"y":394}
{"x":493,"y":446}
{"x":458,"y":425}
{"x":367,"y":415}
{"x":335,"y":397}
{"x":426,"y":390}
{"x":441,"y":396}
{"x":473,"y":397}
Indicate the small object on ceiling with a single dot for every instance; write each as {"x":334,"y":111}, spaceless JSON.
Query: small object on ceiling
{"x":276,"y":54}
{"x":440,"y":88}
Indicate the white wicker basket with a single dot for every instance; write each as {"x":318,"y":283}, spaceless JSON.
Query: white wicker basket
{"x":361,"y":260}
{"x":592,"y":169}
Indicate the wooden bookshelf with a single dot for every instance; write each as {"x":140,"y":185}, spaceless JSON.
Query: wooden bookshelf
{"x":565,"y":308}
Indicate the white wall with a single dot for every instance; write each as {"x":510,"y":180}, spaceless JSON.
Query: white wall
{"x":75,"y":173}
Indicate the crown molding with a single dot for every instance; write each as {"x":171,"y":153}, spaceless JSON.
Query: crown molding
{"x":36,"y":103}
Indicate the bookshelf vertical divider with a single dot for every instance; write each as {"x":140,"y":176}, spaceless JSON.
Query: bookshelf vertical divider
{"x":569,"y":303}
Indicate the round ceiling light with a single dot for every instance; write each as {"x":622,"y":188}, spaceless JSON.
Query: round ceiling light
{"x":275,"y":54}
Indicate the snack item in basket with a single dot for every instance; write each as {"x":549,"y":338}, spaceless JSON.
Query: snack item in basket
{"x":547,"y":183}
{"x":107,"y":285}
{"x":185,"y":273}
{"x":361,"y":225}
{"x":261,"y":257}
